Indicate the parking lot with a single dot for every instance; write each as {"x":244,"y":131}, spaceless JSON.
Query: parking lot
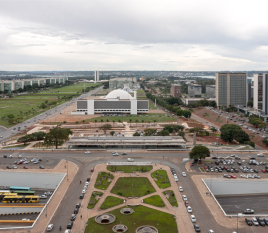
{"x":237,"y":204}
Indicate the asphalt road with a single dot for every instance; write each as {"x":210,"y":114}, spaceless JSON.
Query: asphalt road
{"x":234,"y":204}
{"x":54,"y":111}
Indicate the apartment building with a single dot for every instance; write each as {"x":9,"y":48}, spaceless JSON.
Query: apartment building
{"x":175,"y":90}
{"x":231,"y":89}
{"x":210,"y":91}
{"x":195,"y":91}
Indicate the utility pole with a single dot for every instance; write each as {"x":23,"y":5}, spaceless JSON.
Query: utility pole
{"x":67,"y":168}
{"x":47,"y":203}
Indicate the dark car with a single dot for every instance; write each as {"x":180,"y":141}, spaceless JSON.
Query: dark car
{"x":76,"y":210}
{"x":252,"y":158}
{"x":266,"y":221}
{"x":8,"y":167}
{"x":5,"y":156}
{"x":261,"y":221}
{"x":256,"y":171}
{"x":81,"y":196}
{"x":248,"y":221}
{"x":41,"y":167}
{"x":70,"y":225}
{"x":78,"y":205}
{"x":197,"y":228}
{"x":236,"y":170}
{"x":40,"y":160}
{"x":88,"y":179}
{"x":214,"y":158}
{"x":73,"y":217}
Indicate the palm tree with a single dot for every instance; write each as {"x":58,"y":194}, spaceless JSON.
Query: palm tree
{"x":119,"y":120}
{"x":83,"y":121}
{"x":95,"y":122}
{"x":130,"y":120}
{"x":142,"y":122}
{"x":137,"y":122}
{"x":101,"y":120}
{"x":113,"y":122}
{"x":107,"y":120}
{"x":155,"y":121}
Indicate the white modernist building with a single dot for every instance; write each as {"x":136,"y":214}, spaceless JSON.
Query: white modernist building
{"x":117,"y":101}
{"x":97,"y":76}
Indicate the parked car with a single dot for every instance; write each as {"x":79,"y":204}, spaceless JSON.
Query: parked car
{"x":189,"y":209}
{"x":255,"y":222}
{"x":261,"y":222}
{"x":70,"y":225}
{"x":25,"y":167}
{"x":181,"y":189}
{"x":50,"y":227}
{"x":266,"y":221}
{"x":88,"y":179}
{"x":76,"y":210}
{"x":92,"y":169}
{"x":73,"y":217}
{"x":193,"y":219}
{"x":14,"y":167}
{"x":197,"y":228}
{"x":248,"y":221}
{"x":124,"y":153}
{"x":41,"y":167}
{"x":81,"y":196}
{"x":184,"y":197}
{"x":183,"y":174}
{"x":186,"y":203}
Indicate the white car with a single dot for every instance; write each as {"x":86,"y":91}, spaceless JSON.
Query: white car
{"x":25,"y":219}
{"x":42,"y":197}
{"x":181,"y":189}
{"x":19,"y":156}
{"x":130,"y":160}
{"x":10,"y":156}
{"x":189,"y":209}
{"x":33,"y":160}
{"x":210,"y":231}
{"x":176,"y":179}
{"x":84,"y":191}
{"x":50,"y":227}
{"x":87,"y":152}
{"x":184,"y":197}
{"x":67,"y":231}
{"x":193,"y":219}
{"x":48,"y":193}
{"x":260,"y":155}
{"x":87,"y":183}
{"x":183,"y":174}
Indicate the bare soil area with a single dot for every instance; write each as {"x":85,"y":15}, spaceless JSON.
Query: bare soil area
{"x":220,"y":121}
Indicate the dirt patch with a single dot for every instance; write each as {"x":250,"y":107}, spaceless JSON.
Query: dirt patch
{"x":192,"y":125}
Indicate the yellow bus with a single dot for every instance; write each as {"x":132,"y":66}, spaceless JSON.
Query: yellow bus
{"x":20,"y":199}
{"x":2,"y":195}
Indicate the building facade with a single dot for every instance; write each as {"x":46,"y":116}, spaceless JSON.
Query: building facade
{"x":97,"y":76}
{"x":231,"y":89}
{"x":260,"y":98}
{"x":195,"y":91}
{"x":210,"y":91}
{"x":175,"y":90}
{"x":117,"y":101}
{"x":119,"y":83}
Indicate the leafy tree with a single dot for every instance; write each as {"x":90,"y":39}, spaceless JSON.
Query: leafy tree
{"x":213,"y":104}
{"x":227,"y":132}
{"x":195,"y":130}
{"x":265,"y":141}
{"x":57,"y":136}
{"x":95,"y":122}
{"x":163,"y":133}
{"x":43,"y":106}
{"x":149,"y":132}
{"x":112,"y":133}
{"x":250,"y":103}
{"x":181,"y":133}
{"x":168,"y":128}
{"x":213,"y":129}
{"x":136,"y":134}
{"x":179,"y":112}
{"x":105,"y":127}
{"x":241,"y":136}
{"x":10,"y":118}
{"x":186,"y":113}
{"x":39,"y":135}
{"x":252,"y":144}
{"x":199,"y":152}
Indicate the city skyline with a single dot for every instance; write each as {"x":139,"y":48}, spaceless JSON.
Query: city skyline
{"x":140,"y":35}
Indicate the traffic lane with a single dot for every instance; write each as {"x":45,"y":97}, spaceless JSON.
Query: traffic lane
{"x":19,"y":217}
{"x":235,"y":204}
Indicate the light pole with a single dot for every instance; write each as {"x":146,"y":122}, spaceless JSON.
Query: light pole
{"x":67,"y":168}
{"x":46,"y":193}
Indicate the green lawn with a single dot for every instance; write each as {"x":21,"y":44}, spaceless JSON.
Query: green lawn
{"x":129,"y":169}
{"x":132,"y":186}
{"x":23,"y":106}
{"x":152,"y":106}
{"x":172,"y":199}
{"x":155,"y":200}
{"x":102,"y":180}
{"x":22,"y":145}
{"x":93,"y":199}
{"x":72,"y":89}
{"x":162,"y":179}
{"x":146,"y":118}
{"x":111,"y":201}
{"x":165,"y":223}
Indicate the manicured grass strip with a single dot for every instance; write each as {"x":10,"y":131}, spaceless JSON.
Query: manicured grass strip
{"x":129,"y":169}
{"x":155,"y":200}
{"x":111,"y":201}
{"x":93,"y":199}
{"x":132,"y":186}
{"x":162,"y":179}
{"x":172,"y":199}
{"x":102,"y":180}
{"x":202,"y":169}
{"x":22,"y":145}
{"x":164,"y":222}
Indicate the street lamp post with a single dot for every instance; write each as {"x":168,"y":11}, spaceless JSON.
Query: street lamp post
{"x":47,"y":203}
{"x":67,"y":169}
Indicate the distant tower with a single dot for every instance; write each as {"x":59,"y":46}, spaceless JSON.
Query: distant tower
{"x":97,"y":76}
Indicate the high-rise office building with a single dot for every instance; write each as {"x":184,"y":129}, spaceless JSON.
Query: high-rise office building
{"x":231,"y":89}
{"x":260,"y":97}
{"x":175,"y":90}
{"x":210,"y":91}
{"x":97,"y":76}
{"x":195,"y":90}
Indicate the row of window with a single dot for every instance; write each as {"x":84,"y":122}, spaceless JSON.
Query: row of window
{"x":112,"y":110}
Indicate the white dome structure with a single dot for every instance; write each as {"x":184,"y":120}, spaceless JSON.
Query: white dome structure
{"x":119,"y":94}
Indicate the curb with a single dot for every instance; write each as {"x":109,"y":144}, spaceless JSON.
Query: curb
{"x":19,"y":213}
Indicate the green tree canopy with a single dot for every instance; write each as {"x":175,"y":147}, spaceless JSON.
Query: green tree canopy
{"x":112,"y":133}
{"x":149,"y":132}
{"x":105,"y":127}
{"x":136,"y":134}
{"x":57,"y":136}
{"x":199,"y":152}
{"x":163,"y":133}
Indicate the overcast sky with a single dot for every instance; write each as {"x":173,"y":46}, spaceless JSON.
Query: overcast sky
{"x":178,"y":35}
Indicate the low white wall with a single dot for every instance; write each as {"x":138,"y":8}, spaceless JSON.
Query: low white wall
{"x":226,"y":186}
{"x":14,"y":210}
{"x":33,"y":180}
{"x":78,"y":113}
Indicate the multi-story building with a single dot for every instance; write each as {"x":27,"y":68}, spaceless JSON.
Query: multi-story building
{"x":175,"y":90}
{"x":97,"y":76}
{"x":260,"y":98}
{"x":231,"y":89}
{"x":210,"y":91}
{"x":195,"y":90}
{"x":10,"y":85}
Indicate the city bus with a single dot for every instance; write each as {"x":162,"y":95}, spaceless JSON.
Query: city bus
{"x":20,"y":199}
{"x":2,"y":195}
{"x":12,"y":188}
{"x":19,"y":192}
